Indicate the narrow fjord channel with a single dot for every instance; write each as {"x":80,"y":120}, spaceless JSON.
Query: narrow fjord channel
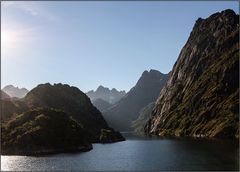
{"x":137,"y":153}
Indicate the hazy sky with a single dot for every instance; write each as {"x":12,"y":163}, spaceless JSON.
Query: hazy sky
{"x":87,"y":44}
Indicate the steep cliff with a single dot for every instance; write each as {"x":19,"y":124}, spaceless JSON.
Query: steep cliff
{"x":201,"y":97}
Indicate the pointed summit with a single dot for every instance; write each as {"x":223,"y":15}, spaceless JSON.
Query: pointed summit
{"x":102,"y":89}
{"x":150,"y":77}
{"x":201,"y":97}
{"x":145,"y":91}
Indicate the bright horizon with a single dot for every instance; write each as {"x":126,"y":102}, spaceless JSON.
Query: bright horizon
{"x":87,"y":44}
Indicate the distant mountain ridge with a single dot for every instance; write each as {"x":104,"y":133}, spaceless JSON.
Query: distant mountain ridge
{"x":15,"y":91}
{"x":104,"y":93}
{"x":146,"y":90}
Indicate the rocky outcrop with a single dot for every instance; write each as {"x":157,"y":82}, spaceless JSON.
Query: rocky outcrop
{"x":146,"y":90}
{"x":15,"y":91}
{"x":104,"y":93}
{"x":107,"y":136}
{"x":201,"y":97}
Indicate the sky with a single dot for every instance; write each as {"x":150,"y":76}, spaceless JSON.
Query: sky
{"x":87,"y":44}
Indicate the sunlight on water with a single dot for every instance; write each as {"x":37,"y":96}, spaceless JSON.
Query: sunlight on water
{"x":136,"y":154}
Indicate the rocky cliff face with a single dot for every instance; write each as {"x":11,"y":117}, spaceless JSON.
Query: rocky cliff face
{"x":146,"y":90}
{"x":201,"y":97}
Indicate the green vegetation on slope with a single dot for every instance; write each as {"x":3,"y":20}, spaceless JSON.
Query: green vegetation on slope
{"x":201,"y":97}
{"x":61,"y":106}
{"x":40,"y":130}
{"x":144,"y":115}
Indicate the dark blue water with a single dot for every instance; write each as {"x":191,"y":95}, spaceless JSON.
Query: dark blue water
{"x":137,"y":154}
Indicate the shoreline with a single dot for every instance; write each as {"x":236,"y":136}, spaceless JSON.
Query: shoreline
{"x":49,"y":151}
{"x":57,"y":151}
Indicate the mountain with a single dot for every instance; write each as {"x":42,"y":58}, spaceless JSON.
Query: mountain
{"x":60,"y":97}
{"x":104,"y":93}
{"x":70,"y":100}
{"x":10,"y":106}
{"x":146,"y":90}
{"x":5,"y":96}
{"x":101,"y":104}
{"x":43,"y":131}
{"x":144,"y":115}
{"x":15,"y":91}
{"x":201,"y":97}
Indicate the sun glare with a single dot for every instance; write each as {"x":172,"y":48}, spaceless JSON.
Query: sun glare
{"x":13,"y":41}
{"x":5,"y":37}
{"x":8,"y":40}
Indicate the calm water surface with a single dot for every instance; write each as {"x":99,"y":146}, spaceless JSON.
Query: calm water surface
{"x":140,"y":154}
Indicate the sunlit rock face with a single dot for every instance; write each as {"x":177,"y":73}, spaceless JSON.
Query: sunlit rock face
{"x":201,"y":97}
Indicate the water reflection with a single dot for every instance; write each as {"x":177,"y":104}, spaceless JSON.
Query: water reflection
{"x":137,"y":153}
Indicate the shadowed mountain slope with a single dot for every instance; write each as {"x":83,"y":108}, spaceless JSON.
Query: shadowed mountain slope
{"x":146,"y":90}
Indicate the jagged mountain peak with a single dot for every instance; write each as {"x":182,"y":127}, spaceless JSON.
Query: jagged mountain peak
{"x":13,"y":91}
{"x":150,"y":76}
{"x":104,"y":93}
{"x":127,"y":109}
{"x":102,"y":89}
{"x":151,"y":72}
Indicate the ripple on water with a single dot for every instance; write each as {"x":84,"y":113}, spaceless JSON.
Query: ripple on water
{"x":137,"y":154}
